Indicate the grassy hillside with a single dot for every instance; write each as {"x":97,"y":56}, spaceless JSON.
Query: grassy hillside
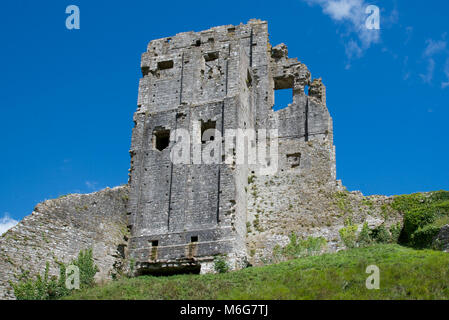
{"x":404,"y":274}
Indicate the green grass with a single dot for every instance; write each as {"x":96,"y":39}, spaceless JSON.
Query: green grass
{"x":404,"y":274}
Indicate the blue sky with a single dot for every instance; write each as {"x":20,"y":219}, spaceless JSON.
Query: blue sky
{"x":67,"y":96}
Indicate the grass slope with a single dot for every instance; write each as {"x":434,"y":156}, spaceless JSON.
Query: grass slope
{"x":404,"y":274}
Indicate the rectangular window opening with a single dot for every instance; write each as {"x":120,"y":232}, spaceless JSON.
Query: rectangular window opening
{"x":163,"y":65}
{"x":208,"y":131}
{"x":153,"y":250}
{"x":211,"y":56}
{"x":155,"y":243}
{"x":194,"y":239}
{"x":294,"y":159}
{"x":161,"y":139}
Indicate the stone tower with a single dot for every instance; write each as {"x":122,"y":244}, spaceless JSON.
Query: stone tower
{"x":183,"y":215}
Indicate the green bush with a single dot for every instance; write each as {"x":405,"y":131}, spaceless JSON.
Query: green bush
{"x":220,"y":264}
{"x":348,"y":234}
{"x":424,"y":214}
{"x":417,"y":214}
{"x":298,"y":248}
{"x":417,"y":218}
{"x":423,"y":237}
{"x":381,"y":235}
{"x":365,"y":238}
{"x":40,"y":288}
{"x":395,"y":231}
{"x":442,"y":208}
{"x":88,"y":269}
{"x":438,"y":196}
{"x":51,"y":288}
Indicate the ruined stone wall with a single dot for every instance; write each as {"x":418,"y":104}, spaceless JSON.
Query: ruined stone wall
{"x":58,"y":229}
{"x":191,"y":80}
{"x":178,"y":216}
{"x":303,"y":196}
{"x":226,"y":76}
{"x":284,"y":204}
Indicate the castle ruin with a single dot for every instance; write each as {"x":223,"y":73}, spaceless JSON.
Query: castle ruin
{"x":178,"y":217}
{"x":182,"y":215}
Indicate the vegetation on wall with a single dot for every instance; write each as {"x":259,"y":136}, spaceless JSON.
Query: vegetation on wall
{"x":46,"y":287}
{"x":424,"y":215}
{"x":298,"y":248}
{"x":220,"y":264}
{"x":348,"y":234}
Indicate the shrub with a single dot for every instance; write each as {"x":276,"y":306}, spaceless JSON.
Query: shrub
{"x":417,"y":218}
{"x":417,"y":213}
{"x":220,"y":264}
{"x":298,"y":248}
{"x":424,"y":214}
{"x":423,"y":237}
{"x":88,"y":269}
{"x":50,"y":288}
{"x":364,"y":238}
{"x":395,"y":231}
{"x":348,"y":234}
{"x":381,"y":235}
{"x":442,"y":208}
{"x":437,"y":196}
{"x":132,"y":264}
{"x":40,"y":288}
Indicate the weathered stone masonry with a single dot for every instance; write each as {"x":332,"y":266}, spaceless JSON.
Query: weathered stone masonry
{"x":181,"y":216}
{"x":177,"y":218}
{"x":58,"y":229}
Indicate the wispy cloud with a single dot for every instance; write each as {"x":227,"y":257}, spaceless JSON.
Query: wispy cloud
{"x":446,"y":72}
{"x":434,"y":47}
{"x":408,"y":35}
{"x":6,"y":223}
{"x":353,"y":50}
{"x":351,"y":14}
{"x":406,"y":73}
{"x":428,"y":76}
{"x":432,"y":50}
{"x":91,"y":185}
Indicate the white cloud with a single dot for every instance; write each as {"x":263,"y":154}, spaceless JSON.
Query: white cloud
{"x":427,"y":78}
{"x":340,"y":10}
{"x":406,"y":73}
{"x":446,"y":72}
{"x":434,"y":47}
{"x":7,"y":223}
{"x":351,"y":14}
{"x":91,"y":185}
{"x":408,"y":35}
{"x":353,"y":50}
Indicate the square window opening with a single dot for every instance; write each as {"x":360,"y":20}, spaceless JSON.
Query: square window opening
{"x":282,"y":98}
{"x":161,"y":139}
{"x":294,"y":160}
